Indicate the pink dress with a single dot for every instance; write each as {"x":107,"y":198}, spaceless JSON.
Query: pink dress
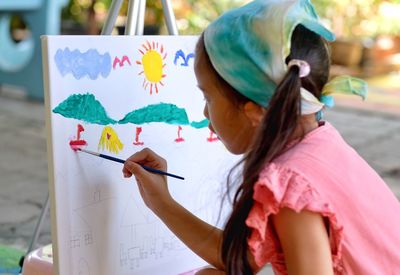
{"x":324,"y":174}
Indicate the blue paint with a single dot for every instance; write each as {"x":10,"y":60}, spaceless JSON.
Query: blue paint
{"x":186,"y":58}
{"x":90,"y":63}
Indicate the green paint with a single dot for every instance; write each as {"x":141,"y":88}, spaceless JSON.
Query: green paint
{"x":162,"y":112}
{"x":87,"y":108}
{"x":84,"y":107}
{"x":199,"y":124}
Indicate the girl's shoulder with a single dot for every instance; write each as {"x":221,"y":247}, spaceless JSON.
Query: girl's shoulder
{"x":317,"y":152}
{"x":311,"y":169}
{"x":278,"y":187}
{"x":323,"y":174}
{"x":299,"y":180}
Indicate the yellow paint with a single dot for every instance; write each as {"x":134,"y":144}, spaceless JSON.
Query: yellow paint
{"x":152,"y":66}
{"x":109,"y":141}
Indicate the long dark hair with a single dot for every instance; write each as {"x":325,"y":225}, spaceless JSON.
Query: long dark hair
{"x":278,"y":126}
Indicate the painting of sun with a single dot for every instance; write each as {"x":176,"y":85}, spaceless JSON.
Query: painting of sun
{"x":152,"y":63}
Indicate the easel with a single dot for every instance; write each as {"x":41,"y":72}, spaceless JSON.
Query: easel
{"x":134,"y":26}
{"x":136,"y":10}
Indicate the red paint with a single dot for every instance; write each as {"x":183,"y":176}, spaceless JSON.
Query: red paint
{"x":211,"y":138}
{"x":179,"y":139}
{"x":78,"y":143}
{"x":137,"y":141}
{"x":80,"y":130}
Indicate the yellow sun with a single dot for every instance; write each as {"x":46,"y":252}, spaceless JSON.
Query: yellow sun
{"x":153,"y":56}
{"x":109,"y":141}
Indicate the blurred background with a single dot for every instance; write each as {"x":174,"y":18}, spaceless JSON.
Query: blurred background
{"x":367,"y":46}
{"x":368,"y":31}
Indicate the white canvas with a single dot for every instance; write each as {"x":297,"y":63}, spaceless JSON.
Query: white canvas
{"x":100,"y":224}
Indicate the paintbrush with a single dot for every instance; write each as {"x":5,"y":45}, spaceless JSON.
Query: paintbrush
{"x":149,"y":169}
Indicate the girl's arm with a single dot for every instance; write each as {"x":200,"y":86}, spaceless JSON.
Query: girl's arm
{"x":305,"y":242}
{"x":202,"y":238}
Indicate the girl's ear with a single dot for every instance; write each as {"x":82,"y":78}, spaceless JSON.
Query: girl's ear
{"x":254,"y":113}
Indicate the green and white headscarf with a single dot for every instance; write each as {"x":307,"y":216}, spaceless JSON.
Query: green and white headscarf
{"x":248,"y":46}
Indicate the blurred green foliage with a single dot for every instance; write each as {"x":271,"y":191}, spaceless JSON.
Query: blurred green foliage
{"x":347,"y":18}
{"x":194,"y":15}
{"x":76,"y":10}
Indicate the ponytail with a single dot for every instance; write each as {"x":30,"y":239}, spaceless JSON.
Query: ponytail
{"x":274,"y":133}
{"x":278,"y":126}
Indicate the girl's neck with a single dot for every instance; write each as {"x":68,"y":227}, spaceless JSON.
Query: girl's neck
{"x":307,"y":124}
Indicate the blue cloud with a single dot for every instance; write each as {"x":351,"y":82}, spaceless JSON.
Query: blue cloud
{"x":90,"y":63}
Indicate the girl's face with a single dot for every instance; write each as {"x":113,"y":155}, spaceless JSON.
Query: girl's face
{"x":229,"y":122}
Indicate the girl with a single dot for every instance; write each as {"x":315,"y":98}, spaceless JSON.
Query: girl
{"x":306,"y":203}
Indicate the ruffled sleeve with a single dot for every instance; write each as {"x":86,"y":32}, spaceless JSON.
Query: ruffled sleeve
{"x":280,"y":187}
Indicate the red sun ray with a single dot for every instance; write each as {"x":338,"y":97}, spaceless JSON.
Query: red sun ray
{"x":141,"y":51}
{"x":162,"y":48}
{"x":141,"y":73}
{"x":148,"y":44}
{"x":164,"y":75}
{"x":138,"y":62}
{"x":151,"y":88}
{"x":144,"y":82}
{"x":162,"y":84}
{"x":165,"y":56}
{"x":144,"y":46}
{"x":147,"y":84}
{"x":157,"y":45}
{"x":154,"y":45}
{"x":164,"y":65}
{"x":156,"y":88}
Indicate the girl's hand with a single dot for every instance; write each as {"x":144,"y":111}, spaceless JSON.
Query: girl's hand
{"x":153,"y":187}
{"x":199,"y":236}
